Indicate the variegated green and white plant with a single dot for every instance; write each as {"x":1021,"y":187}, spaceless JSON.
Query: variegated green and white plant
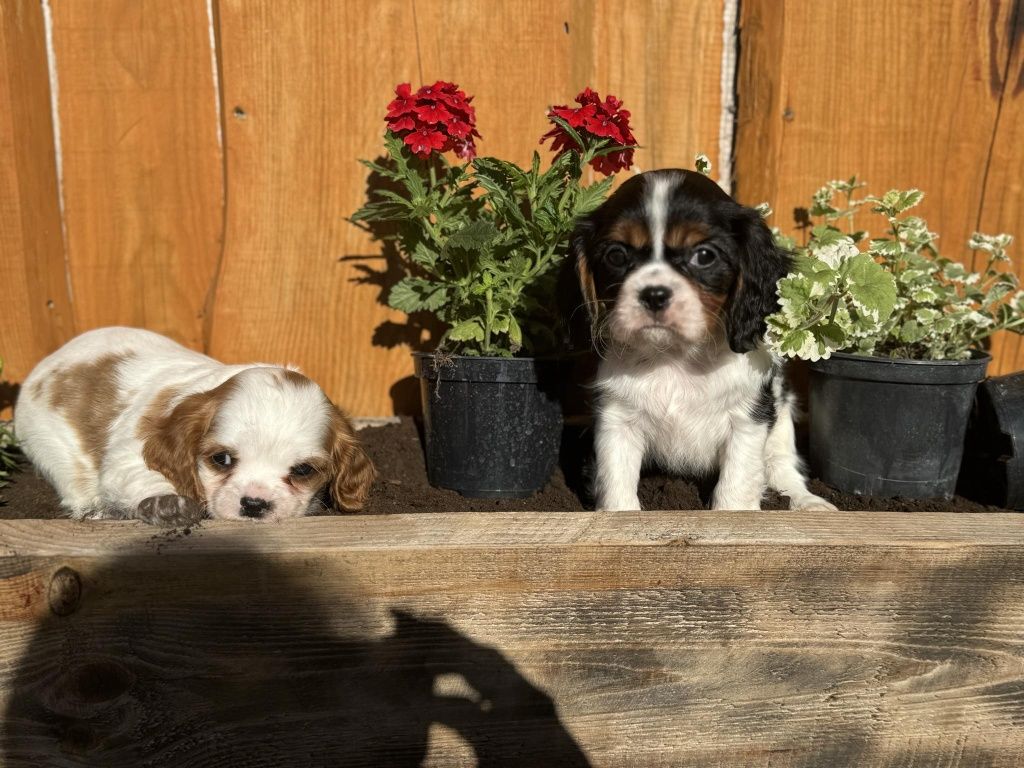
{"x":890,"y":296}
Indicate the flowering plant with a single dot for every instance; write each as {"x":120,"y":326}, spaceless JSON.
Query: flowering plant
{"x":892,"y":296}
{"x":480,"y":241}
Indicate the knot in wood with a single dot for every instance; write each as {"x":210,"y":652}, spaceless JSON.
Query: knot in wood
{"x":65,"y":591}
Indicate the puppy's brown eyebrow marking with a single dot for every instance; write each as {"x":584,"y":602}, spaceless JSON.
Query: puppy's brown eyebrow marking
{"x":632,"y":232}
{"x":685,"y":234}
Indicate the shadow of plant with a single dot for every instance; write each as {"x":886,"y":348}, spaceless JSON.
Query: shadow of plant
{"x":421,"y":330}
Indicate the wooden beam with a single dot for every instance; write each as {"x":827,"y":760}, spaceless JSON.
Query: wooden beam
{"x":642,"y":639}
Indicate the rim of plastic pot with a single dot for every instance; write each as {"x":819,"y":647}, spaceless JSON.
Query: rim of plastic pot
{"x":510,"y":370}
{"x":902,"y":371}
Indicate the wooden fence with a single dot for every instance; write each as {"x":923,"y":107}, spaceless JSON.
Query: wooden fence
{"x":188,"y":166}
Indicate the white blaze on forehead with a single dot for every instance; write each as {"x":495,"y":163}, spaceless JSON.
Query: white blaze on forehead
{"x":656,"y":210}
{"x":273,"y":418}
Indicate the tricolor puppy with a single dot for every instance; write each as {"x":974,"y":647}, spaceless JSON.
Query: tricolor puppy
{"x":678,"y":279}
{"x":126,"y":423}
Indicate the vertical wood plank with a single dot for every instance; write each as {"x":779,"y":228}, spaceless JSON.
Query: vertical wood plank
{"x":142,"y":161}
{"x":300,"y":110}
{"x":664,"y":59}
{"x":36,"y":314}
{"x":828,"y":90}
{"x":1002,"y":204}
{"x":516,"y":65}
{"x":845,"y":94}
{"x":664,"y":63}
{"x":309,"y":105}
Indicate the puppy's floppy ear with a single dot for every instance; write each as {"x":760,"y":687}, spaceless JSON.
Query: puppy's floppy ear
{"x":754,"y":294}
{"x":577,"y":294}
{"x":171,"y":439}
{"x":352,"y":471}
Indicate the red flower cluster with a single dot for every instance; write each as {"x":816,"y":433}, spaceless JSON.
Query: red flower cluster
{"x":601,"y":119}
{"x":437,"y":118}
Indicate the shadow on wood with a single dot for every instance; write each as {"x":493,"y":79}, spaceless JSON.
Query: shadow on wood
{"x":702,"y":638}
{"x":238,"y":660}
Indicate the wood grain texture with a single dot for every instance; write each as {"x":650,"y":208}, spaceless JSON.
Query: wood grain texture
{"x":299,"y":113}
{"x":828,"y":90}
{"x":1002,"y":206}
{"x":142,"y":162}
{"x":645,"y":639}
{"x":664,"y":59}
{"x":36,"y":316}
{"x":302,"y":110}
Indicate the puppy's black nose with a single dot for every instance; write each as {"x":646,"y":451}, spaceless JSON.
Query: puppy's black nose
{"x":655,"y":297}
{"x":253,"y":507}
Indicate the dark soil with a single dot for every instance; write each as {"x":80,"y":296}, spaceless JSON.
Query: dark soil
{"x":402,"y":487}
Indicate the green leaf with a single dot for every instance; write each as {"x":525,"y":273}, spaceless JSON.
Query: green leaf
{"x":381,"y":211}
{"x":394,"y":197}
{"x":467,"y":330}
{"x":425,"y":256}
{"x":573,"y":134}
{"x":912,"y":332}
{"x":871,"y":287}
{"x":383,"y":170}
{"x":910,"y":198}
{"x":477,"y":235}
{"x":833,"y":336}
{"x":590,"y":198}
{"x":885,"y":247}
{"x":416,"y":295}
{"x":500,"y":170}
{"x":515,"y":333}
{"x":793,"y":342}
{"x":825,"y":235}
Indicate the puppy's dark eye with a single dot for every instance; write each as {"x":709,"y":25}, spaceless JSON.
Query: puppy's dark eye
{"x":616,"y":255}
{"x":703,"y":257}
{"x":223,"y":459}
{"x":302,"y":470}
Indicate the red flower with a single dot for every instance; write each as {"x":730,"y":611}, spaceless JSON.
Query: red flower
{"x":594,"y":120}
{"x":423,"y":141}
{"x":404,"y":103}
{"x":613,"y":162}
{"x":575,"y":117}
{"x":402,"y":123}
{"x":458,"y":128}
{"x":437,"y":118}
{"x":433,"y":113}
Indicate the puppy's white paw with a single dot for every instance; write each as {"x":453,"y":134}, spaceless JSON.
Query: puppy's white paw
{"x":811,"y":503}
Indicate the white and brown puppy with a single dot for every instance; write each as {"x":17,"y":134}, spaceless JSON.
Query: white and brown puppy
{"x":126,"y":423}
{"x":678,"y":279}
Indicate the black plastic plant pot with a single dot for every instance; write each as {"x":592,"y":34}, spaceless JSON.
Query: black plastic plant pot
{"x":492,"y":425}
{"x":884,"y":427}
{"x":993,"y":466}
